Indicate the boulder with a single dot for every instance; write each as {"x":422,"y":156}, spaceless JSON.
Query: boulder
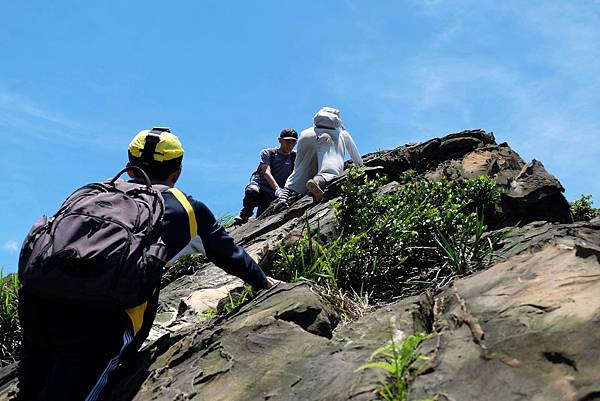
{"x":527,"y":328}
{"x":287,"y":344}
{"x":523,"y":329}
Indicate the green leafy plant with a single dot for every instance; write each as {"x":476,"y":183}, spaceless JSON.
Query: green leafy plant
{"x":395,"y":243}
{"x":10,"y":331}
{"x":409,"y":175}
{"x":236,"y":299}
{"x":396,"y":359}
{"x":478,"y":193}
{"x":313,"y":259}
{"x":582,"y":208}
{"x":469,"y":249}
{"x":208,"y":314}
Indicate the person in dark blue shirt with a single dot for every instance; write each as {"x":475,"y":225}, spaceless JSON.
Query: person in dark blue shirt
{"x":275,"y":166}
{"x":70,"y":351}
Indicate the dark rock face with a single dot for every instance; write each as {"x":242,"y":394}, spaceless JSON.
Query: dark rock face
{"x":429,"y":155}
{"x":531,"y":193}
{"x":284,"y":345}
{"x":526,"y":328}
{"x":535,"y":195}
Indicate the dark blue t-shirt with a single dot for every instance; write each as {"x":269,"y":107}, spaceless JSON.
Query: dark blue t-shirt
{"x":281,"y":168}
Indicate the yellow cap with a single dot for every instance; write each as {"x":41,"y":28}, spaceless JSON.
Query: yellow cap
{"x":168,"y":148}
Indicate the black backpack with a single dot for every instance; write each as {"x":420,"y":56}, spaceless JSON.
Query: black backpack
{"x":103,"y":246}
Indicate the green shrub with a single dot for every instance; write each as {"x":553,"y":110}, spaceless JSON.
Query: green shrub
{"x":360,"y":194}
{"x":226,"y":219}
{"x":392,"y":244}
{"x":396,"y":358}
{"x":312,"y":259}
{"x":409,"y":176}
{"x":468,"y":249}
{"x":10,"y":331}
{"x":582,"y":208}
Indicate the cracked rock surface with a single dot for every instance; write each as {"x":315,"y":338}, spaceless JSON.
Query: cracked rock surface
{"x":527,"y":328}
{"x":284,"y":345}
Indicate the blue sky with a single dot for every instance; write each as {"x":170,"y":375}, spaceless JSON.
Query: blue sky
{"x":79,"y":79}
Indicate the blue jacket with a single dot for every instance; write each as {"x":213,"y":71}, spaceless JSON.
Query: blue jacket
{"x":181,"y":238}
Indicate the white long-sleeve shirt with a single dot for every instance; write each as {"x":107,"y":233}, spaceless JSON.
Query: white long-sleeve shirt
{"x":321,"y":151}
{"x":332,"y":146}
{"x":351,"y":148}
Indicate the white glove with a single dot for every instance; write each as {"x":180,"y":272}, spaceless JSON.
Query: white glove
{"x":279,"y":192}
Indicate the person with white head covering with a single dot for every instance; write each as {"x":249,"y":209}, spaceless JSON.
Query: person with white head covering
{"x":320,"y":155}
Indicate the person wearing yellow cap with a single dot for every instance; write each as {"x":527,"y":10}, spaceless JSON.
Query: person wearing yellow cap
{"x":71,"y":350}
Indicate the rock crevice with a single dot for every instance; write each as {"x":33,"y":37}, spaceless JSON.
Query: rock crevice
{"x":526,"y":328}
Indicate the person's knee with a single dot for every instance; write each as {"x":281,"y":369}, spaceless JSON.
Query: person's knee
{"x":252,"y":192}
{"x":252,"y":188}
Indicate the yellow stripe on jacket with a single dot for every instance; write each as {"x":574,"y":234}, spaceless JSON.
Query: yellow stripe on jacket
{"x":136,"y":314}
{"x":189,"y":210}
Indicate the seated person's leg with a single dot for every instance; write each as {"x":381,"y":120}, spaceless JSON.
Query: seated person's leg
{"x":251,"y":200}
{"x":264,"y":202}
{"x":306,"y":163}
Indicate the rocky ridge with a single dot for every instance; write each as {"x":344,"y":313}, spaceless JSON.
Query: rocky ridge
{"x":524,"y":329}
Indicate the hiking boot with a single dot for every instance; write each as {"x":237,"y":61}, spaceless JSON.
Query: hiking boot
{"x":284,"y":200}
{"x":315,"y":190}
{"x":279,"y":204}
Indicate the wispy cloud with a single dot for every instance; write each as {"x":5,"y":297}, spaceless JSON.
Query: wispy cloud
{"x":528,"y":72}
{"x":550,"y":116}
{"x":448,"y":34}
{"x":29,"y":119}
{"x":16,"y":103}
{"x":20,"y":113}
{"x":10,"y":246}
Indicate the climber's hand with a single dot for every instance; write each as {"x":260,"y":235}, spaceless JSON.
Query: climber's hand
{"x":271,"y":282}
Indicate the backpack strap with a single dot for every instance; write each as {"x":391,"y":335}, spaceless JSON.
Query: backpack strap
{"x":181,"y":198}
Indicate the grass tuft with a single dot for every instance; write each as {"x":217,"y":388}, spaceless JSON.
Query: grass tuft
{"x":10,"y":330}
